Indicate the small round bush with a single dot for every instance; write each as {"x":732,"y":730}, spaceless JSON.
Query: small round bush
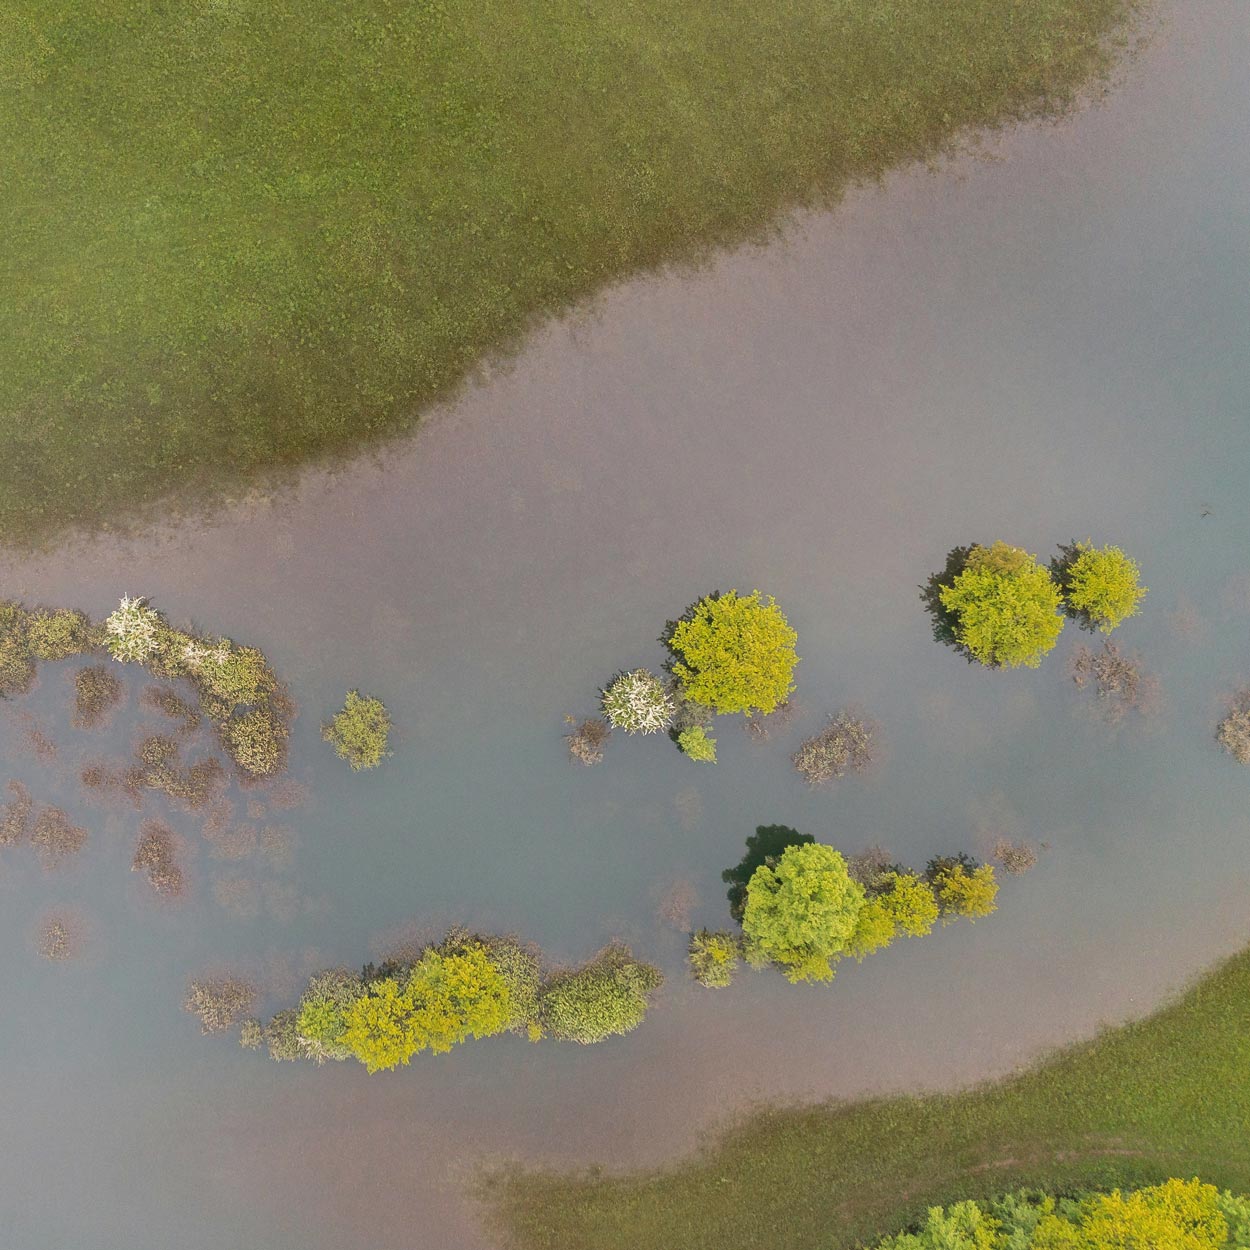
{"x":963,"y":888}
{"x":58,"y":633}
{"x":638,"y":703}
{"x":734,"y":654}
{"x":696,"y":744}
{"x":713,"y":958}
{"x":1100,"y":585}
{"x":256,"y":742}
{"x":219,"y":1003}
{"x":1004,"y":607}
{"x":1233,"y":733}
{"x":605,"y":997}
{"x":359,"y":732}
{"x":229,"y":676}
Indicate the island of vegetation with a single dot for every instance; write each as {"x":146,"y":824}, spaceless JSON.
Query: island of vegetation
{"x":1155,"y":1099}
{"x":466,"y":986}
{"x":360,"y":732}
{"x":802,"y":907}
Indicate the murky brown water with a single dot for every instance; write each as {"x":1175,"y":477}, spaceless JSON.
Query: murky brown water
{"x":1048,"y":345}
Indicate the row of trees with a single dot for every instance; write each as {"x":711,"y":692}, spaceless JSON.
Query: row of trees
{"x":802,"y":907}
{"x":1176,"y":1215}
{"x":1000,"y":607}
{"x":466,"y":986}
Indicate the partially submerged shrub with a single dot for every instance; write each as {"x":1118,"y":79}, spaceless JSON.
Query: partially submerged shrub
{"x":133,"y":630}
{"x":605,"y":997}
{"x":1000,"y":607}
{"x":255,"y":741}
{"x":734,"y":654}
{"x":695,"y":744}
{"x":801,"y":913}
{"x":251,"y":1034}
{"x":56,"y":837}
{"x":963,"y":888}
{"x":228,"y":675}
{"x":219,"y":1002}
{"x":637,"y":702}
{"x":156,"y":854}
{"x":713,"y":958}
{"x":57,"y":633}
{"x":1100,"y":585}
{"x":320,"y":1023}
{"x":1014,"y":857}
{"x":96,"y":693}
{"x":1233,"y":732}
{"x":15,"y":815}
{"x":17,"y":667}
{"x":58,"y":938}
{"x":170,"y":703}
{"x":282,"y":1036}
{"x":845,"y":745}
{"x":359,"y":732}
{"x":521,"y":969}
{"x":585,"y":742}
{"x":1117,"y":680}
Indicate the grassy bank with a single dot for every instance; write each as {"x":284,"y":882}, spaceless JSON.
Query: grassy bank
{"x":1168,"y":1096}
{"x":240,"y":235}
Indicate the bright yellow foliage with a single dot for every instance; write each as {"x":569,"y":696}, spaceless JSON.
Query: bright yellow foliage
{"x":971,"y":895}
{"x":909,"y":902}
{"x":1177,"y":1215}
{"x":735,"y":654}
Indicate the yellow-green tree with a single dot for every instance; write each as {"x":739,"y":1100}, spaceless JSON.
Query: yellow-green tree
{"x":802,"y":912}
{"x":734,"y":654}
{"x":1177,"y":1215}
{"x":1101,"y":586}
{"x":1004,"y":607}
{"x":963,"y":889}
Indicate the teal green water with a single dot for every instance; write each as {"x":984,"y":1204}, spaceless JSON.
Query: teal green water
{"x":1046,"y":346}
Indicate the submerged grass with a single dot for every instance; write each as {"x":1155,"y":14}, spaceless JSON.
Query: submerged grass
{"x":1166,"y":1096}
{"x":239,"y":235}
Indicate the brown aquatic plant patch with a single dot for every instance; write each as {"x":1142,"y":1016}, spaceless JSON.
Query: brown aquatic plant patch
{"x":156,"y":854}
{"x":56,"y":837}
{"x":869,"y":864}
{"x":169,"y":702}
{"x":845,"y":745}
{"x":235,"y":843}
{"x":1015,"y":857}
{"x":1120,"y":684}
{"x":59,"y":938}
{"x":15,"y":815}
{"x":42,"y":747}
{"x":761,"y":728}
{"x":586,"y":741}
{"x":97,"y":693}
{"x":238,"y":897}
{"x":220,"y":1002}
{"x":1233,"y":733}
{"x":277,"y":846}
{"x":286,"y":793}
{"x":677,"y":904}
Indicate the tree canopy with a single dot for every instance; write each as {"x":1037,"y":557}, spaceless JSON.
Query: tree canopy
{"x":607,"y":996}
{"x":734,"y":654}
{"x":1100,"y":585}
{"x":1005,"y":607}
{"x":802,"y":913}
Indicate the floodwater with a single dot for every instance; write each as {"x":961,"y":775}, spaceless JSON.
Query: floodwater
{"x":1047,"y":345}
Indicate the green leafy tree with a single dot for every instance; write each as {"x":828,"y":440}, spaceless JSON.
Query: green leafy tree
{"x":321,"y":1023}
{"x":606,"y":997}
{"x":802,"y":913}
{"x":696,"y":744}
{"x":1004,"y":607}
{"x":360,"y":731}
{"x":378,"y":1028}
{"x":456,"y":995}
{"x":964,"y":1226}
{"x":734,"y":654}
{"x":1100,"y":585}
{"x":908,"y":901}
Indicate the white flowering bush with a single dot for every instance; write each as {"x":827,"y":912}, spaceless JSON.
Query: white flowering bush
{"x":638,"y":703}
{"x":133,"y":630}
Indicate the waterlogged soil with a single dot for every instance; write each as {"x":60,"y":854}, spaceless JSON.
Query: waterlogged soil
{"x":1042,"y":346}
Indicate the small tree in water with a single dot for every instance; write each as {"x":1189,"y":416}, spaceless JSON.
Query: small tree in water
{"x":844,"y":745}
{"x":997,"y":605}
{"x":360,"y":731}
{"x":1100,"y":585}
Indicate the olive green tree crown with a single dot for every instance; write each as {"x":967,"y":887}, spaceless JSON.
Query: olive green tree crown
{"x":1100,"y":585}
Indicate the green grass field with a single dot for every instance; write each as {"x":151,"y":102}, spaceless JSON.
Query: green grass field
{"x":1167,"y":1096}
{"x":237,"y":236}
